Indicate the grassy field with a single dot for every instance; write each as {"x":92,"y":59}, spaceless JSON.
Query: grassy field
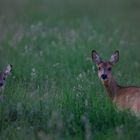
{"x":53,"y":92}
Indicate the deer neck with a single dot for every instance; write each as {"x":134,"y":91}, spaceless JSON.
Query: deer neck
{"x":111,"y":88}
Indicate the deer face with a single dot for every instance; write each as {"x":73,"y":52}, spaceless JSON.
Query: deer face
{"x":4,"y":74}
{"x":104,"y":68}
{"x":104,"y":71}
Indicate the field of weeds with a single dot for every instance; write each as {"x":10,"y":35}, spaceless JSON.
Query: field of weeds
{"x":53,"y":92}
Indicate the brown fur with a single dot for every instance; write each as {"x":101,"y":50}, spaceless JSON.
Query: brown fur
{"x":123,"y":97}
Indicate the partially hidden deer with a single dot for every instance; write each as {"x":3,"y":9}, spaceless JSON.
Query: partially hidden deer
{"x":3,"y":76}
{"x":124,"y":97}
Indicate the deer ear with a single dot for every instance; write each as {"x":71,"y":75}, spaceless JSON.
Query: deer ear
{"x":114,"y":58}
{"x":7,"y":70}
{"x":95,"y":57}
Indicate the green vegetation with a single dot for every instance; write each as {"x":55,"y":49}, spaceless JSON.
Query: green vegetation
{"x":54,"y":92}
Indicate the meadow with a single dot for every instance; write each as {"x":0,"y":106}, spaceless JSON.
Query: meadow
{"x":53,"y":92}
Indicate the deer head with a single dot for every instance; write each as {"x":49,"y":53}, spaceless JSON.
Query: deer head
{"x":105,"y":67}
{"x":3,"y":75}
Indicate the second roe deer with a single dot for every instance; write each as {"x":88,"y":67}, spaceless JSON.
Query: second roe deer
{"x":3,"y":75}
{"x":124,"y":97}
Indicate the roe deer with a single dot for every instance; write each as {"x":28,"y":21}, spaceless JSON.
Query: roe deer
{"x":3,"y":75}
{"x":123,"y":97}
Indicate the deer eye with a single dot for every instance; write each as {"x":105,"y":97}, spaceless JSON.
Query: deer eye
{"x":99,"y":68}
{"x":4,"y":78}
{"x":109,"y":69}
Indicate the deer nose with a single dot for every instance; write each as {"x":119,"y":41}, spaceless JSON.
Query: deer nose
{"x":1,"y":84}
{"x":104,"y":76}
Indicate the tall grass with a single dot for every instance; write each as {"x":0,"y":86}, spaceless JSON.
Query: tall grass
{"x":54,"y":91}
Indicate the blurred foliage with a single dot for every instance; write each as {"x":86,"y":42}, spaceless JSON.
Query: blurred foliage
{"x":54,"y":91}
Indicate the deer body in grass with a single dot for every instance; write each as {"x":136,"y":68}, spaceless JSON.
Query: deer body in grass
{"x":3,"y":75}
{"x":123,"y":97}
